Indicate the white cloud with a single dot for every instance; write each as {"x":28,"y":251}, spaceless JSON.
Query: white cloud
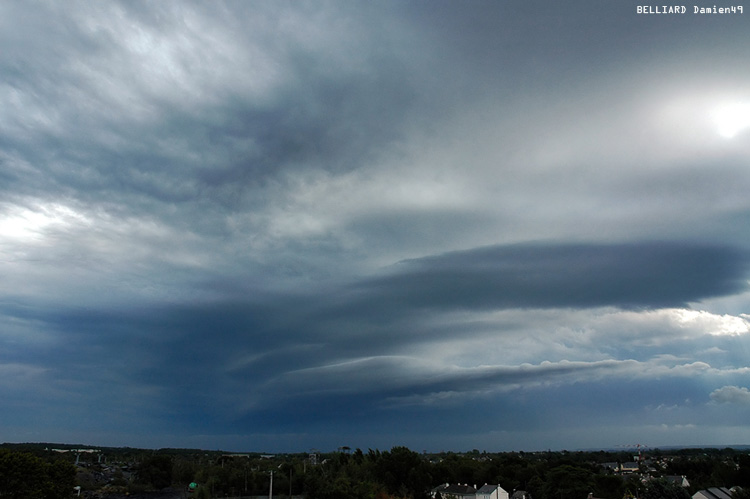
{"x":33,"y":225}
{"x":717,"y":325}
{"x":430,"y":382}
{"x":658,"y":327}
{"x":517,"y":336}
{"x":731,"y":395}
{"x":76,"y":254}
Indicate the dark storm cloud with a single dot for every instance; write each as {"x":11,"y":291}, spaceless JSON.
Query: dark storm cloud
{"x":378,"y":316}
{"x":371,"y":389}
{"x":569,"y":275}
{"x":274,"y":349}
{"x":319,"y":123}
{"x":202,"y":204}
{"x":111,"y":135}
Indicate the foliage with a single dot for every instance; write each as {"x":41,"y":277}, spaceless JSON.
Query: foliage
{"x":568,"y":482}
{"x":155,"y":471}
{"x":609,"y":486}
{"x":662,"y":489}
{"x":742,"y":478}
{"x":25,"y":476}
{"x":403,"y":472}
{"x":395,"y":474}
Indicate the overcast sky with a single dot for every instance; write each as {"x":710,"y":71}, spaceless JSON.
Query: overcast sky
{"x":276,"y":226}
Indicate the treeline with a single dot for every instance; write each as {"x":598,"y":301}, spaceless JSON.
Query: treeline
{"x":374,"y":474}
{"x":551,"y":475}
{"x":402,"y":473}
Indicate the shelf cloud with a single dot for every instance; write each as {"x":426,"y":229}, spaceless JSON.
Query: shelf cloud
{"x":282,"y":225}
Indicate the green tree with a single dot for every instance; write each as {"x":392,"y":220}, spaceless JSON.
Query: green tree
{"x":536,"y":487}
{"x":25,"y":476}
{"x":62,"y":476}
{"x":742,"y":476}
{"x":202,"y":493}
{"x":155,"y":471}
{"x":663,"y":489}
{"x":568,"y":482}
{"x":184,"y":470}
{"x":609,"y":486}
{"x":404,"y":473}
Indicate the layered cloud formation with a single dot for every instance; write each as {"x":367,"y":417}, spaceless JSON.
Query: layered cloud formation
{"x":284,"y":225}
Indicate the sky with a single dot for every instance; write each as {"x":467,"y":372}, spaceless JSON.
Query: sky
{"x":450,"y":225}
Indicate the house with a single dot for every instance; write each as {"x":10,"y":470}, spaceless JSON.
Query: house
{"x":491,"y":492}
{"x":520,"y":494}
{"x":465,"y":491}
{"x":629,"y":467}
{"x":611,"y":466}
{"x":682,"y":481}
{"x":457,"y":491}
{"x":713,"y":493}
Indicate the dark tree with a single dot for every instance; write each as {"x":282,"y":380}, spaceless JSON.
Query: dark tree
{"x":568,"y":482}
{"x":155,"y":471}
{"x":25,"y":476}
{"x":742,"y":477}
{"x":404,"y":473}
{"x":663,"y":489}
{"x":609,"y":486}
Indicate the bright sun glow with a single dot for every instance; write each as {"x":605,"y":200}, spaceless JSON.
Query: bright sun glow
{"x":22,"y":224}
{"x":731,"y":119}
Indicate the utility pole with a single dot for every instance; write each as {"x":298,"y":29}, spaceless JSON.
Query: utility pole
{"x":270,"y":487}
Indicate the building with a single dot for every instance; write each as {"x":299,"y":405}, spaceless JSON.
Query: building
{"x":629,"y":467}
{"x":611,"y":466}
{"x":491,"y":492}
{"x":682,"y":480}
{"x":713,"y":493}
{"x":457,"y":491}
{"x":465,"y":491}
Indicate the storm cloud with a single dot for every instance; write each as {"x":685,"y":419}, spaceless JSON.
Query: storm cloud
{"x":284,"y":225}
{"x":542,"y":276}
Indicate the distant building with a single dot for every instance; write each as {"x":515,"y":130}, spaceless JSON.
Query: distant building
{"x":629,"y":467}
{"x":465,"y":491}
{"x":491,"y":492}
{"x":77,"y":451}
{"x":612,"y":466}
{"x":230,"y":457}
{"x":713,"y":493}
{"x":457,"y":491}
{"x":682,"y":480}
